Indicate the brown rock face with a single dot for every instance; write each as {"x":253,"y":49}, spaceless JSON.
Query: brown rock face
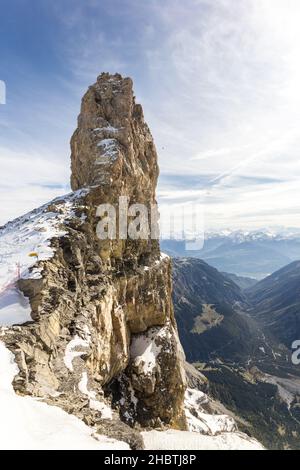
{"x":113,"y":154}
{"x":112,"y":145}
{"x":102,"y":311}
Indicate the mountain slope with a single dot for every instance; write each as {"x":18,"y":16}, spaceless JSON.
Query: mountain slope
{"x":242,"y":282}
{"x":276,"y":303}
{"x":208,"y":313}
{"x":247,"y":369}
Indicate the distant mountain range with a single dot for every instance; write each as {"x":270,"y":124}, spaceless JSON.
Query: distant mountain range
{"x":249,"y":254}
{"x":230,"y":335}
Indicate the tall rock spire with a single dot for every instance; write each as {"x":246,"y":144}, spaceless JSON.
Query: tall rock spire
{"x":102,"y":308}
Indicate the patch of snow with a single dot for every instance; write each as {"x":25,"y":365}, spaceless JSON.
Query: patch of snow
{"x":161,"y":258}
{"x":262,"y":349}
{"x":106,"y":128}
{"x":35,"y":273}
{"x":29,"y":424}
{"x":87,"y":333}
{"x":103,"y":408}
{"x":184,"y":440}
{"x":133,"y":398}
{"x":71,"y":352}
{"x":202,"y":422}
{"x":14,"y":308}
{"x":145,"y":347}
{"x":83,"y":217}
{"x":109,"y":147}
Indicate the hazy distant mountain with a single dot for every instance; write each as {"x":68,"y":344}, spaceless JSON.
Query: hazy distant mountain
{"x":248,"y":254}
{"x":242,"y":282}
{"x":276,"y":303}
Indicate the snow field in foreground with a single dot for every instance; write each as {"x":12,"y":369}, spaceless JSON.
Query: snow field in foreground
{"x":184,"y":440}
{"x":27,"y":423}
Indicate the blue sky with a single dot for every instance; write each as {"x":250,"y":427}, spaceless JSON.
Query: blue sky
{"x":218,"y":81}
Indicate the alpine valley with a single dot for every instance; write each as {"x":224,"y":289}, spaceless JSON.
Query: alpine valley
{"x":241,"y":341}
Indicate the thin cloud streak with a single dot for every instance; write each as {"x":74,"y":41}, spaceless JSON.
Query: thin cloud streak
{"x":219,"y":83}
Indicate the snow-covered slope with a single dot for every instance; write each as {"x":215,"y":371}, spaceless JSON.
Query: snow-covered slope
{"x":14,"y":307}
{"x":27,"y":423}
{"x":23,"y":242}
{"x":202,"y":422}
{"x":182,"y":440}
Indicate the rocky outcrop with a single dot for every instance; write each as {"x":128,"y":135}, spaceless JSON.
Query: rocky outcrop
{"x":103,"y":341}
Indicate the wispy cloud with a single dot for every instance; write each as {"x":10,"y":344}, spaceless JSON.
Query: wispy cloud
{"x":27,"y":181}
{"x":219,"y":82}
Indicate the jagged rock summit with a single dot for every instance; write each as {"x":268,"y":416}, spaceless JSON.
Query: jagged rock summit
{"x":89,"y":322}
{"x":112,"y":145}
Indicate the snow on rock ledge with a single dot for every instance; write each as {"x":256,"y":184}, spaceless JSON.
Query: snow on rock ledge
{"x":146,"y":347}
{"x":155,"y":361}
{"x":27,"y":423}
{"x":201,"y":421}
